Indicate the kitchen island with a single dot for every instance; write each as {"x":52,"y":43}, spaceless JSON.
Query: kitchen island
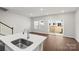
{"x":36,"y":39}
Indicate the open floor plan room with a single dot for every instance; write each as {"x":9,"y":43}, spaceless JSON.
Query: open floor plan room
{"x":39,"y":28}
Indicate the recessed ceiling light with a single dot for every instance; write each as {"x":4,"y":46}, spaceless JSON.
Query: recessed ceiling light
{"x":41,"y":9}
{"x":47,"y":14}
{"x":62,"y":11}
{"x":31,"y":14}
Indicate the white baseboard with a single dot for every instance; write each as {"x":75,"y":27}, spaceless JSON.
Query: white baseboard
{"x":69,"y":36}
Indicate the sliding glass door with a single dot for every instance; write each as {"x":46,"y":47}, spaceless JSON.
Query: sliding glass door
{"x":56,"y":26}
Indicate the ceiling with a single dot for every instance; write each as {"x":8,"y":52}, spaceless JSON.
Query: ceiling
{"x":40,"y":11}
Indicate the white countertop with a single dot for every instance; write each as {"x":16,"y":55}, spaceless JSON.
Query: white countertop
{"x":36,"y":39}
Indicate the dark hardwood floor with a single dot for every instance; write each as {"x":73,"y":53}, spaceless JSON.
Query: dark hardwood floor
{"x":59,"y":43}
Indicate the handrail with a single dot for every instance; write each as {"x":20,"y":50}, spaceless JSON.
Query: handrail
{"x":7,"y":26}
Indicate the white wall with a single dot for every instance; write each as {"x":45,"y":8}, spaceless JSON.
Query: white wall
{"x":77,"y":25}
{"x":69,"y":20}
{"x":14,"y":20}
{"x":69,"y":24}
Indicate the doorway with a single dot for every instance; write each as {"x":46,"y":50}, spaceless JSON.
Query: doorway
{"x":56,"y":26}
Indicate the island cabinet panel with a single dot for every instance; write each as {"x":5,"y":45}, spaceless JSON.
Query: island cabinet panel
{"x":7,"y":48}
{"x":39,"y":48}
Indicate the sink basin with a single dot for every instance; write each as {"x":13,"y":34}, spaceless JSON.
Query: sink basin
{"x":22,"y":43}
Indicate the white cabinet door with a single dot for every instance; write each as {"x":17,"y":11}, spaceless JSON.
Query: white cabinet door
{"x":39,"y":48}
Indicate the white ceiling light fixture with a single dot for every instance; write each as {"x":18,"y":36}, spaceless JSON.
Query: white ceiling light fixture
{"x":41,"y":11}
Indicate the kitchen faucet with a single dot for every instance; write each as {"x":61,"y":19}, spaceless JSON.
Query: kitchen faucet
{"x":28,"y":35}
{"x":26,"y":31}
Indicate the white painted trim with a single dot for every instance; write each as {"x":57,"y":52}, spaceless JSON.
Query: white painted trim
{"x":77,"y":39}
{"x":69,"y":36}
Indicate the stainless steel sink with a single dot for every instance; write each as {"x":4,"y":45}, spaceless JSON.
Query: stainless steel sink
{"x":22,"y":43}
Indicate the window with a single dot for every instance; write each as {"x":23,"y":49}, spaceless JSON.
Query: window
{"x":36,"y":24}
